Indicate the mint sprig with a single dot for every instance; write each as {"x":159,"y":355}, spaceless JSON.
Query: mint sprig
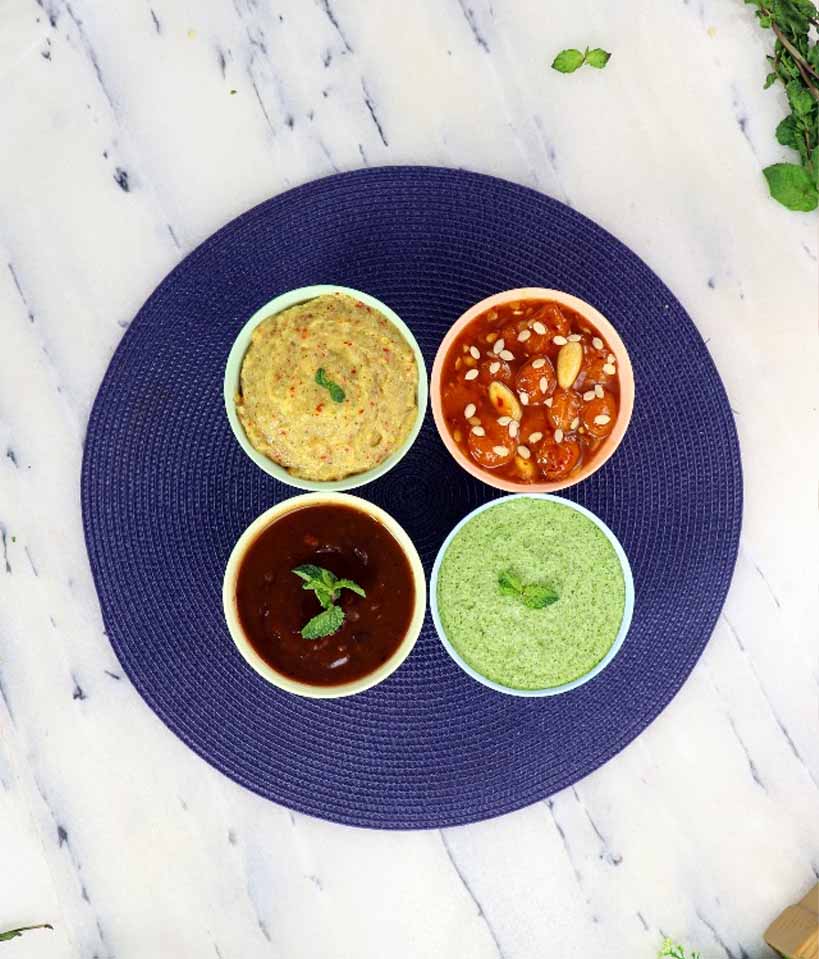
{"x":567,"y":61}
{"x":672,"y":950}
{"x":532,"y":595}
{"x":14,"y":933}
{"x":327,"y":587}
{"x":337,"y":394}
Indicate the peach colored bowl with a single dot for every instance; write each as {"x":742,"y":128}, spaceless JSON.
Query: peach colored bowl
{"x":625,"y":377}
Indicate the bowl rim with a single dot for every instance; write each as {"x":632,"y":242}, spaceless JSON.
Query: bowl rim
{"x":625,"y":376}
{"x":625,"y":623}
{"x":233,"y":368}
{"x":237,"y":633}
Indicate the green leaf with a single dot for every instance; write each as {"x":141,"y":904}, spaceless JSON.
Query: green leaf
{"x":309,"y":572}
{"x":597,"y":58}
{"x":327,"y":622}
{"x":337,"y":394}
{"x":770,"y":80}
{"x":786,"y":132}
{"x":538,"y":596}
{"x":349,"y":584}
{"x":509,"y":584}
{"x":14,"y":933}
{"x":792,"y":186}
{"x":799,"y":98}
{"x":567,"y":61}
{"x":813,"y":55}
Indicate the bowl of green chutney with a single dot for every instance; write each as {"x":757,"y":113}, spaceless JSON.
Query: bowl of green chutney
{"x":532,"y":595}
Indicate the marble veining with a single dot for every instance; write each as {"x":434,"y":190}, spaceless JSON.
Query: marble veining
{"x":131,"y":132}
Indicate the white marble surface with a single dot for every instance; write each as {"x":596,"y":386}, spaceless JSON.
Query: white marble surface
{"x":123,"y":148}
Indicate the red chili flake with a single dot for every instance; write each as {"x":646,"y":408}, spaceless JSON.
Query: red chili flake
{"x":320,"y":407}
{"x":311,"y":541}
{"x":353,"y":371}
{"x":361,"y":411}
{"x":386,"y":351}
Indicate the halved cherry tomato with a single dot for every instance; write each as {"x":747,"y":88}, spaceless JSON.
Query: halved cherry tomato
{"x":534,"y":374}
{"x":599,"y":407}
{"x":565,"y":409}
{"x":557,"y":460}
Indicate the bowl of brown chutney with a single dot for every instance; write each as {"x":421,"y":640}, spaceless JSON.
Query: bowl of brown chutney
{"x":324,"y":595}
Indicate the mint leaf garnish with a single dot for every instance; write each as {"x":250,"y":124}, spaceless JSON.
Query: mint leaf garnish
{"x":538,"y":596}
{"x":327,"y":587}
{"x":597,"y":58}
{"x":532,"y":595}
{"x":326,"y":622}
{"x":567,"y":61}
{"x":509,"y":584}
{"x":336,"y":392}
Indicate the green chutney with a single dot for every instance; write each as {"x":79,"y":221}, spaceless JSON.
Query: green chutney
{"x":540,"y":541}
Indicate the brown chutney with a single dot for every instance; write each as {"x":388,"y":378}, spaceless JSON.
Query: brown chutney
{"x":273,"y":608}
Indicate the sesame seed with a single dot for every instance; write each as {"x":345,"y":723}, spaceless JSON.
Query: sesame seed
{"x":535,"y":437}
{"x":475,"y":352}
{"x":504,"y":420}
{"x":514,"y":426}
{"x":524,"y":398}
{"x":524,"y":335}
{"x":478,"y":431}
{"x":494,"y":367}
{"x":575,"y":338}
{"x":539,"y":363}
{"x":506,"y":355}
{"x":558,"y":436}
{"x":575,"y":423}
{"x":474,"y":421}
{"x":609,"y":370}
{"x":559,"y":340}
{"x":598,"y":391}
{"x":470,"y":374}
{"x":543,"y":384}
{"x":498,"y":345}
{"x":602,"y":419}
{"x":611,"y":358}
{"x":469,"y":410}
{"x":588,"y":396}
{"x":548,"y":402}
{"x":500,"y":450}
{"x":539,"y":328}
{"x":597,"y":343}
{"x":524,"y":452}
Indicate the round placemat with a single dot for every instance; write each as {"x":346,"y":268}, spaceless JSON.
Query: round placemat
{"x":166,"y":491}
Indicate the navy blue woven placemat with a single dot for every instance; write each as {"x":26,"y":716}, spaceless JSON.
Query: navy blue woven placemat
{"x":166,"y":491}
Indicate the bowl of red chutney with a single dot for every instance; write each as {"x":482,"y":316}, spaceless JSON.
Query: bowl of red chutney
{"x":532,"y":390}
{"x":324,"y":595}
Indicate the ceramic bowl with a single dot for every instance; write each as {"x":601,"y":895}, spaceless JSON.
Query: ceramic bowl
{"x":625,"y":375}
{"x":232,"y":388}
{"x":625,"y":623}
{"x":240,"y":638}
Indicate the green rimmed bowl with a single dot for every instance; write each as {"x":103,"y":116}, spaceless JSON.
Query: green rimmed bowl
{"x":232,"y":387}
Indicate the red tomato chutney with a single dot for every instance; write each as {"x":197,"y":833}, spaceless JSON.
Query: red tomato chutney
{"x":529,"y":390}
{"x":274,"y":607}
